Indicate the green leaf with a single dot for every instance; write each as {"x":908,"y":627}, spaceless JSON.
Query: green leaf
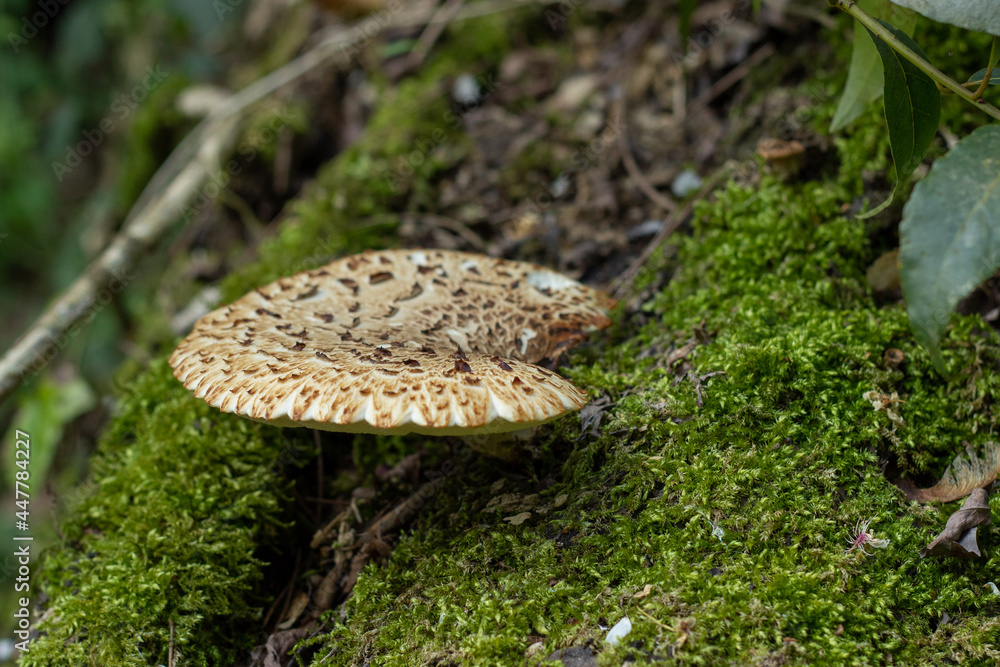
{"x":978,"y":77}
{"x":950,"y":234}
{"x":994,"y":73}
{"x":864,"y":76}
{"x":978,"y":15}
{"x":864,"y":80}
{"x":912,"y":109}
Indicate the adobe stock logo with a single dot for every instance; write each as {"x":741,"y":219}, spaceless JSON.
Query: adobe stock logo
{"x":121,"y":108}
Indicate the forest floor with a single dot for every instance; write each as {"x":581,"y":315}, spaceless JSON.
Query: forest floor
{"x":710,"y":490}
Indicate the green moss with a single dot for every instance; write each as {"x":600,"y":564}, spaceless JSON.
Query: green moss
{"x":182,"y":498}
{"x":483,"y":41}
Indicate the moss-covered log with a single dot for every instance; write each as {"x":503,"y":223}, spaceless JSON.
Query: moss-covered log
{"x":712,"y":504}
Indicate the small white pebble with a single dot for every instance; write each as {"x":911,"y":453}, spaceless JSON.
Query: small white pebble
{"x":648,"y":228}
{"x":560,"y":186}
{"x":465,"y":90}
{"x":6,"y":649}
{"x":617,"y":633}
{"x":686,"y":182}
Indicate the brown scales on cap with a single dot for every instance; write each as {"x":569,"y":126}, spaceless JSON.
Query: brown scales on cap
{"x":426,"y":341}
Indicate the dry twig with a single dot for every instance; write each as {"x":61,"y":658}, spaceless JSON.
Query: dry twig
{"x":445,"y":14}
{"x":618,"y":117}
{"x":641,"y":181}
{"x":731,"y":79}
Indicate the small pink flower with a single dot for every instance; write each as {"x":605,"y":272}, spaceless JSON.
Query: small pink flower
{"x":862,"y":537}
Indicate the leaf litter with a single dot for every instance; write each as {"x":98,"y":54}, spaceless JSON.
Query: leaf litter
{"x":958,"y":539}
{"x":962,"y":476}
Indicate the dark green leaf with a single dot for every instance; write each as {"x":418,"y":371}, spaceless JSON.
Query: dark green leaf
{"x":864,"y":76}
{"x":912,"y":108}
{"x":950,"y":233}
{"x":991,"y":66}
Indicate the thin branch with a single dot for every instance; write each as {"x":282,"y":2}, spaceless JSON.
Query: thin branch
{"x":445,"y":14}
{"x":170,"y":646}
{"x":902,"y":49}
{"x":731,"y":78}
{"x":401,"y":514}
{"x":111,"y":271}
{"x":642,"y":182}
{"x":617,"y":118}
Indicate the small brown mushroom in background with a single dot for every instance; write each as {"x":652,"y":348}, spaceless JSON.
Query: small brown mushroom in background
{"x":397,"y":341}
{"x":893,"y":358}
{"x":883,"y":274}
{"x":783,"y":157}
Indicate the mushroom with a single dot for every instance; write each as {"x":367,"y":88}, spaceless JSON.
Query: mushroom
{"x":784,"y":157}
{"x":396,"y":341}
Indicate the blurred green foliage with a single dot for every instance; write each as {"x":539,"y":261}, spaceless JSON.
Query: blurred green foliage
{"x":82,"y":127}
{"x":87,"y":92}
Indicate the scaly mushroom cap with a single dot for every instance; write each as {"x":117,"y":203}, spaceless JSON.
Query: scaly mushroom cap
{"x":397,"y":341}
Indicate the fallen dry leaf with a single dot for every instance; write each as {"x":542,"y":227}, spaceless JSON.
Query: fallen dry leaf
{"x":646,"y":590}
{"x":592,"y":414}
{"x":295,"y":610}
{"x":963,"y":475}
{"x":958,"y":539}
{"x":275,"y":652}
{"x":518,"y":519}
